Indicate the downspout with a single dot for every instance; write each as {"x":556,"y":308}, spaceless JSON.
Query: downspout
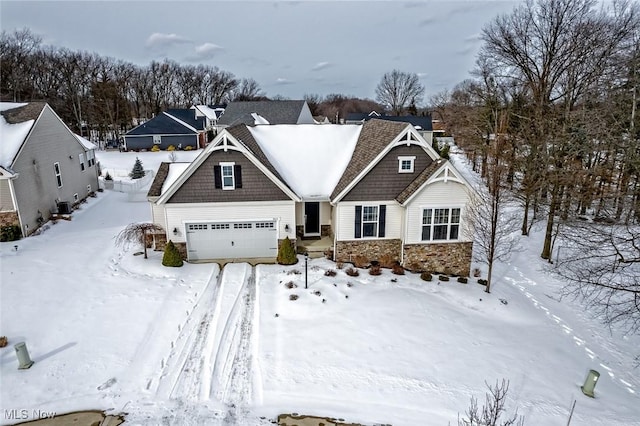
{"x":404,"y":233}
{"x":335,"y":234}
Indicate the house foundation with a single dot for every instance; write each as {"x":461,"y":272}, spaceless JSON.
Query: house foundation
{"x":368,"y":250}
{"x":444,"y":258}
{"x":9,"y":219}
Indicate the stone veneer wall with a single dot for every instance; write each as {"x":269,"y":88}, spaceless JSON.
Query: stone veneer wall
{"x":444,"y":258}
{"x":9,"y":218}
{"x":346,"y":251}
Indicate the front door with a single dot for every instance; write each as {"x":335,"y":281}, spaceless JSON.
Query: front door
{"x":312,"y":219}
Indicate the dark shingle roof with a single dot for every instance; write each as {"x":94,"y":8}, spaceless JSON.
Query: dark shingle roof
{"x":422,"y":122}
{"x":161,"y":175}
{"x":189,"y":117}
{"x":30,"y":111}
{"x":161,"y":124}
{"x":374,"y":137}
{"x":419,"y":181}
{"x":275,"y":112}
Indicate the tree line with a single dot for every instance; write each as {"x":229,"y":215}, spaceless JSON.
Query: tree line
{"x":92,"y":91}
{"x":107,"y":95}
{"x":550,"y":118}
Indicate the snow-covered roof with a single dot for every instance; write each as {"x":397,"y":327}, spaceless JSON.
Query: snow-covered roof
{"x":210,"y":113}
{"x":258,"y":119}
{"x":86,"y":143}
{"x":175,"y":170}
{"x":12,"y":135}
{"x":310,"y":158}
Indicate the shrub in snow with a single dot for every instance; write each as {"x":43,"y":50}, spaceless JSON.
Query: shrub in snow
{"x":330,"y":273}
{"x":286,"y":253}
{"x":463,"y":280}
{"x":290,"y":284}
{"x":10,"y":233}
{"x":443,"y":278}
{"x":293,"y":297}
{"x":482,"y":282}
{"x":491,"y":412}
{"x":375,"y":270}
{"x":171,"y":255}
{"x":476,"y":272}
{"x":294,"y":272}
{"x":397,"y":269}
{"x":425,"y":276}
{"x":317,"y":293}
{"x":339,"y":265}
{"x":138,"y":171}
{"x":3,"y":341}
{"x":352,"y":272}
{"x":108,"y":176}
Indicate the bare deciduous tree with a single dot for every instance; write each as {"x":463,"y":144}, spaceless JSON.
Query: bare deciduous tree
{"x":247,"y":90}
{"x":136,"y":233}
{"x":601,"y":263}
{"x":398,"y":89}
{"x":491,"y":412}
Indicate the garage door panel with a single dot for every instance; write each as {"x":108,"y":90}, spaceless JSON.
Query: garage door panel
{"x":247,"y":239}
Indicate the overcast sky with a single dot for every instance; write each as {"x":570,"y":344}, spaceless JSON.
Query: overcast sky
{"x":289,"y":48}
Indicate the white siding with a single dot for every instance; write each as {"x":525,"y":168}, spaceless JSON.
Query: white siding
{"x":157,"y":215}
{"x":325,"y":213}
{"x":439,"y":194}
{"x":345,"y":218}
{"x":282,"y":211}
{"x":6,"y":200}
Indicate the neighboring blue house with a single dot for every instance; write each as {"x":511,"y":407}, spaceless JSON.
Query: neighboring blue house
{"x":178,"y":127}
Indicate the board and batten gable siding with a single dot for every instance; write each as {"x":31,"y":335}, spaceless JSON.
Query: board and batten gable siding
{"x":345,"y":215}
{"x":6,"y":200}
{"x":383,"y":182}
{"x":200,"y":186}
{"x":437,"y":195}
{"x":179,"y":214}
{"x":36,"y":188}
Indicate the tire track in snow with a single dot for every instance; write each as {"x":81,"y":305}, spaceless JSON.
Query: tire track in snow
{"x":568,"y":330}
{"x":183,"y":367}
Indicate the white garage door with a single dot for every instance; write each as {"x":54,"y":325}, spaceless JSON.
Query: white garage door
{"x":231,"y":240}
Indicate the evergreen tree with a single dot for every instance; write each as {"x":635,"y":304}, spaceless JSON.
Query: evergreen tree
{"x":138,"y":171}
{"x":286,"y":253}
{"x":171,"y":255}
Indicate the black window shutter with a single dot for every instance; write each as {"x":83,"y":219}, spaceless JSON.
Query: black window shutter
{"x":381,"y":220}
{"x":358,"y":224}
{"x":237,"y":172}
{"x":217,"y":176}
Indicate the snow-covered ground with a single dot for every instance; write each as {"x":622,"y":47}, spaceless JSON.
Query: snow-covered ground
{"x":194,"y":345}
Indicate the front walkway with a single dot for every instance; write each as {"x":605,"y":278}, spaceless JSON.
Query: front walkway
{"x":315,"y":248}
